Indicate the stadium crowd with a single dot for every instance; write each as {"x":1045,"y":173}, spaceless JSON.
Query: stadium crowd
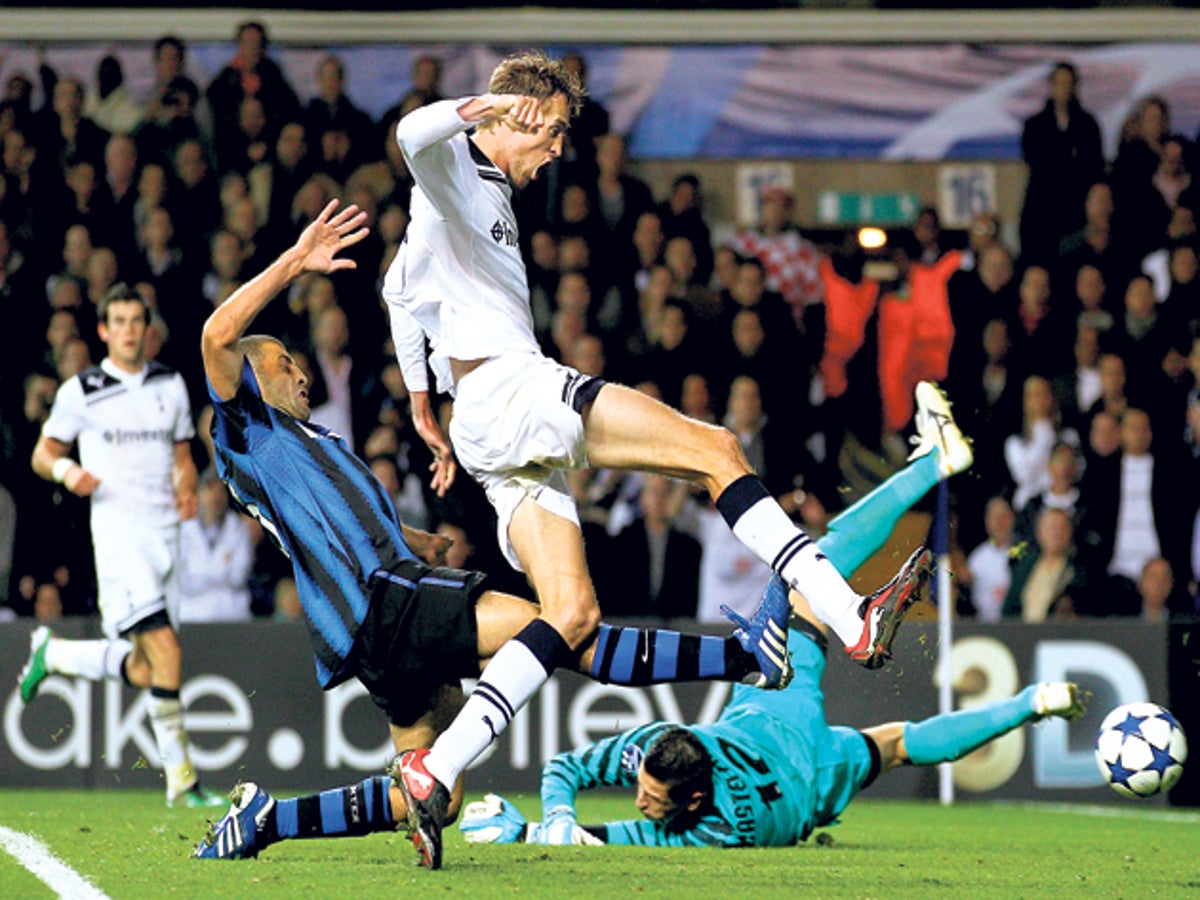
{"x":1074,"y":365}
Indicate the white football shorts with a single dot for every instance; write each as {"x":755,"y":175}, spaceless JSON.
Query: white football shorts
{"x":136,"y":573}
{"x":516,"y":428}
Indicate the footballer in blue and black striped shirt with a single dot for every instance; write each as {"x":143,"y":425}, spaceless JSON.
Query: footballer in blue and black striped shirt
{"x":377,"y":609}
{"x":318,"y":501}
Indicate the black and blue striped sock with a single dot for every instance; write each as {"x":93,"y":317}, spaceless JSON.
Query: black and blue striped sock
{"x":349,"y":811}
{"x":643,"y":656}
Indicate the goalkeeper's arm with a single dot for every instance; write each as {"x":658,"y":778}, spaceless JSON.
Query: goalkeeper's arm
{"x":494,"y":820}
{"x":611,"y":762}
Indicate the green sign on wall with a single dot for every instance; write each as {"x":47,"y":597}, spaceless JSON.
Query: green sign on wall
{"x":854,"y":208}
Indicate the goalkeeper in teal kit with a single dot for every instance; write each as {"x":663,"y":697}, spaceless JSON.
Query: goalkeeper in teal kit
{"x":765,"y":774}
{"x":770,"y":769}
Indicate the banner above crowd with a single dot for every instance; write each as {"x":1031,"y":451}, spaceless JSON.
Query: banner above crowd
{"x":891,"y":102}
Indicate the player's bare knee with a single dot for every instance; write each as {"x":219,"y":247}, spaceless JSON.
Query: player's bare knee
{"x":576,"y":623}
{"x":726,"y":460}
{"x":161,"y":649}
{"x":582,"y":625}
{"x":168,"y":658}
{"x":730,"y":449}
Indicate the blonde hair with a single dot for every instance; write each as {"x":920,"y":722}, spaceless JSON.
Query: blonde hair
{"x":534,"y":74}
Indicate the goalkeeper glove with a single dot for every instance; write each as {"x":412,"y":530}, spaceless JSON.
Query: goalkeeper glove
{"x":492,"y":820}
{"x":561,"y":829}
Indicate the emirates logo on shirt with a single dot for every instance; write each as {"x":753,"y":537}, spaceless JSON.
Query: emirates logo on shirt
{"x":503,"y":233}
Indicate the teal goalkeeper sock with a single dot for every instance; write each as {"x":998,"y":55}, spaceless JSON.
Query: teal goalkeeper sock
{"x":952,"y":736}
{"x":855,"y":534}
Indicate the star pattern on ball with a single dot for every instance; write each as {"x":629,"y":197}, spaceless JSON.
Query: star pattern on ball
{"x":1119,"y":774}
{"x":1140,"y":749}
{"x":1162,"y":760}
{"x":1131,"y":725}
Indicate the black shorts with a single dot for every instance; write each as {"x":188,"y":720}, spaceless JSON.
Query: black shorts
{"x":156,"y":620}
{"x":419,"y":634}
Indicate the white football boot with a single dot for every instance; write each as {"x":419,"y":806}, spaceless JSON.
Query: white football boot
{"x":1058,"y":698}
{"x":936,"y":429}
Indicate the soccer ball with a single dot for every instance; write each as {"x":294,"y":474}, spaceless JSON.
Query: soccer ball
{"x":1140,"y":749}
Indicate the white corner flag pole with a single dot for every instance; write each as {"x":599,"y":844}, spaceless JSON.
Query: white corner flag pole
{"x":945,"y":604}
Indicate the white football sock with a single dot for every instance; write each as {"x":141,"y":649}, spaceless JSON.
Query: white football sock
{"x":766,"y":530}
{"x":166,"y":719}
{"x":94,"y":660}
{"x":510,"y":679}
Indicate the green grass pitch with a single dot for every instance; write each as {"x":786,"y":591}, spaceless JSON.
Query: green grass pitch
{"x":129,"y":846}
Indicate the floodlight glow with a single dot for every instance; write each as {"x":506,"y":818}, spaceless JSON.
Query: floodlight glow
{"x":871,"y":238}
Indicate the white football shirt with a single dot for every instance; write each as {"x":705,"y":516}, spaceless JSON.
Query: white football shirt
{"x":458,"y":274}
{"x":126,"y":425}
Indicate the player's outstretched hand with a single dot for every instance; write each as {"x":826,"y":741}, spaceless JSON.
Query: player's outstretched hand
{"x":492,"y":820}
{"x":327,"y":235}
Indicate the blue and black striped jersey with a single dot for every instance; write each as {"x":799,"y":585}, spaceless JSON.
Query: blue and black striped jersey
{"x":322,"y":506}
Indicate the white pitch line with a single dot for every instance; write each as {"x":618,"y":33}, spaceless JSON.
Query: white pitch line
{"x":57,"y":875}
{"x":1116,"y":812}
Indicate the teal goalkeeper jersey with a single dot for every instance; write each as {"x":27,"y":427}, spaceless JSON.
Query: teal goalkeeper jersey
{"x":763,"y":795}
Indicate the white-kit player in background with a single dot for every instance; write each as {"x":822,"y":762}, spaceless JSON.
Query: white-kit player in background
{"x":520,"y":420}
{"x":133,"y":424}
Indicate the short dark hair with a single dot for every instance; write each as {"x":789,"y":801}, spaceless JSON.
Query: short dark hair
{"x":122,"y":293}
{"x":253,"y":345}
{"x":253,"y":26}
{"x":428,"y":57}
{"x":109,"y":75}
{"x":534,"y":74}
{"x":680,"y":761}
{"x":688,"y":178}
{"x":383,"y":458}
{"x":169,"y":40}
{"x":1063,"y":66}
{"x":341,"y":66}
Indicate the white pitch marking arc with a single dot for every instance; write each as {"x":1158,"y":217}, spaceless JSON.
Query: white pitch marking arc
{"x":1115,"y":812}
{"x":48,"y":868}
